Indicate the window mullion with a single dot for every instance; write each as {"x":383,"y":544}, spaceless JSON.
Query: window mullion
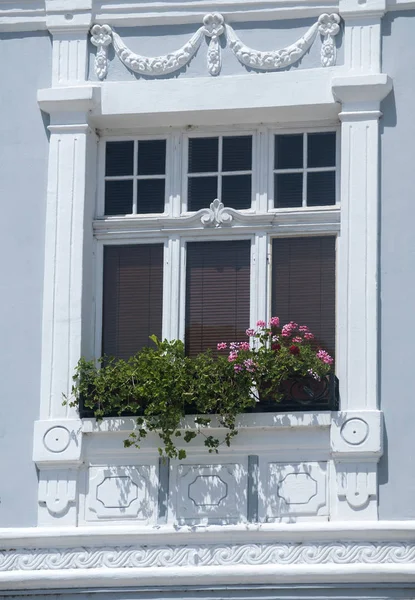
{"x":259,"y":278}
{"x":135,"y":169}
{"x":305,"y":163}
{"x":220,"y":154}
{"x":171,"y":287}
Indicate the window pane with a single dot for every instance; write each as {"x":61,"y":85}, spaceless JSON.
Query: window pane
{"x":203,"y":155}
{"x":236,"y":191}
{"x":150,"y":195}
{"x":133,"y":298}
{"x":288,"y":190}
{"x":237,"y":153}
{"x":217,"y":293}
{"x":288,"y":151}
{"x":201,"y":192}
{"x":119,"y":158}
{"x":151,"y":157}
{"x":118,"y":197}
{"x":303,"y":285}
{"x":321,"y":151}
{"x":321,"y":188}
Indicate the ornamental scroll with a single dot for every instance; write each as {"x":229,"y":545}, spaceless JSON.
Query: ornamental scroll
{"x":102,"y":36}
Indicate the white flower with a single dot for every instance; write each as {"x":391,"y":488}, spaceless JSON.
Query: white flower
{"x":213,"y":25}
{"x":101,"y":35}
{"x":329,"y":24}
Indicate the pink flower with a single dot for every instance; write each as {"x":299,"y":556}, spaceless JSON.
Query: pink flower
{"x":297,"y":339}
{"x":222,"y":346}
{"x":308,"y":336}
{"x":303,"y":328}
{"x":244,"y":346}
{"x":237,"y":368}
{"x":250,"y":332}
{"x":260,"y":324}
{"x":324,"y":357}
{"x":274,"y":322}
{"x":234,"y":345}
{"x":250,"y":365}
{"x":232,"y":356}
{"x":289,"y":329}
{"x":313,"y":374}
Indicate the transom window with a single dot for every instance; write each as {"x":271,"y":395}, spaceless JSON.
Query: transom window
{"x":166,"y":271}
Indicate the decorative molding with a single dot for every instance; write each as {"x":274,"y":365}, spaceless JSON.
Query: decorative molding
{"x":356,"y":483}
{"x":158,"y":65}
{"x":213,"y":27}
{"x":101,"y":37}
{"x":217,"y":215}
{"x":206,"y":555}
{"x":57,"y":490}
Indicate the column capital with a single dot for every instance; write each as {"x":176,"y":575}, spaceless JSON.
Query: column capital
{"x":362,"y":93}
{"x":76,"y":99}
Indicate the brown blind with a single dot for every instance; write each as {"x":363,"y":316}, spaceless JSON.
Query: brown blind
{"x":217,"y":293}
{"x":303,"y":285}
{"x":133,"y":297}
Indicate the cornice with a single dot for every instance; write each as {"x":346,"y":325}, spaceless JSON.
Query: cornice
{"x":70,"y":15}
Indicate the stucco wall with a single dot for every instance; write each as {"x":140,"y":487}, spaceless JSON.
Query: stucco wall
{"x":155,"y":41}
{"x":25,"y":66}
{"x":397,"y":272}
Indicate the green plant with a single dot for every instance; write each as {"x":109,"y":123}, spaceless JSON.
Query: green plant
{"x":161,"y":385}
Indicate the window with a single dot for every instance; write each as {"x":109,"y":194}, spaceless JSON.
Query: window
{"x":168,"y":272}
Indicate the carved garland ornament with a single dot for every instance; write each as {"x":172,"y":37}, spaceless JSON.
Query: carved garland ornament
{"x":125,"y":557}
{"x":213,"y":27}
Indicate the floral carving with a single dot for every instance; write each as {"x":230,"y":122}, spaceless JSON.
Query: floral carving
{"x":214,"y":28}
{"x":328,"y":27}
{"x":216,"y":215}
{"x":101,"y":37}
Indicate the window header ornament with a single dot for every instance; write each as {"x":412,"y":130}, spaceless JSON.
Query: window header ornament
{"x":328,"y":26}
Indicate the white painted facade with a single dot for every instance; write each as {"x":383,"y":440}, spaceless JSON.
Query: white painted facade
{"x":102,"y":516}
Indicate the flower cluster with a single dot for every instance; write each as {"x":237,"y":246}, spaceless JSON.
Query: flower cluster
{"x":276,"y":353}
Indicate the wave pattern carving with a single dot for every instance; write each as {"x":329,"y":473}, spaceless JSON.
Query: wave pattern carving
{"x":208,"y":555}
{"x":213,"y":27}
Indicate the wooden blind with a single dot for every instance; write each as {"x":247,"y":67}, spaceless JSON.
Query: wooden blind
{"x":303,"y":285}
{"x":217,"y":293}
{"x":133,"y":298}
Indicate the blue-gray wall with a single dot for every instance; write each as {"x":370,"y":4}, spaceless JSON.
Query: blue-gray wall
{"x":25,"y":66}
{"x":397,"y":255}
{"x":156,"y":41}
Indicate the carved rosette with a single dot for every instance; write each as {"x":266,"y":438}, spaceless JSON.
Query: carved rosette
{"x":101,"y":37}
{"x":328,"y":27}
{"x":213,"y":29}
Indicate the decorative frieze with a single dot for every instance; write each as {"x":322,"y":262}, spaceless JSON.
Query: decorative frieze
{"x":213,"y":27}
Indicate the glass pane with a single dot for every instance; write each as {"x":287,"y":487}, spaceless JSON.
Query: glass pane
{"x":118,"y":197}
{"x":237,"y":153}
{"x":151,"y":157}
{"x":201,"y":192}
{"x":203,"y":155}
{"x":321,"y":149}
{"x":119,"y":158}
{"x":321,"y":189}
{"x":288,"y":151}
{"x":150,"y":196}
{"x":236,"y":191}
{"x":288,"y":190}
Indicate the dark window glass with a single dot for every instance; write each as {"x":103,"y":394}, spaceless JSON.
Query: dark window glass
{"x":118,"y":197}
{"x":303,"y":285}
{"x":203,"y":155}
{"x":288,"y":190}
{"x":321,"y":149}
{"x":237,"y":153}
{"x":217,"y":293}
{"x":288,"y":151}
{"x":119,"y":158}
{"x":151,"y":157}
{"x":321,"y":188}
{"x":201,"y":192}
{"x":150,"y":196}
{"x":236,"y":191}
{"x":133,"y":298}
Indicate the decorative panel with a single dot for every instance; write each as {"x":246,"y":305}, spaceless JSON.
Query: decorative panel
{"x":213,"y":493}
{"x":295,"y":489}
{"x":121,"y":492}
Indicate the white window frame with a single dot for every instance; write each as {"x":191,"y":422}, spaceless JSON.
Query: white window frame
{"x":134,"y":229}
